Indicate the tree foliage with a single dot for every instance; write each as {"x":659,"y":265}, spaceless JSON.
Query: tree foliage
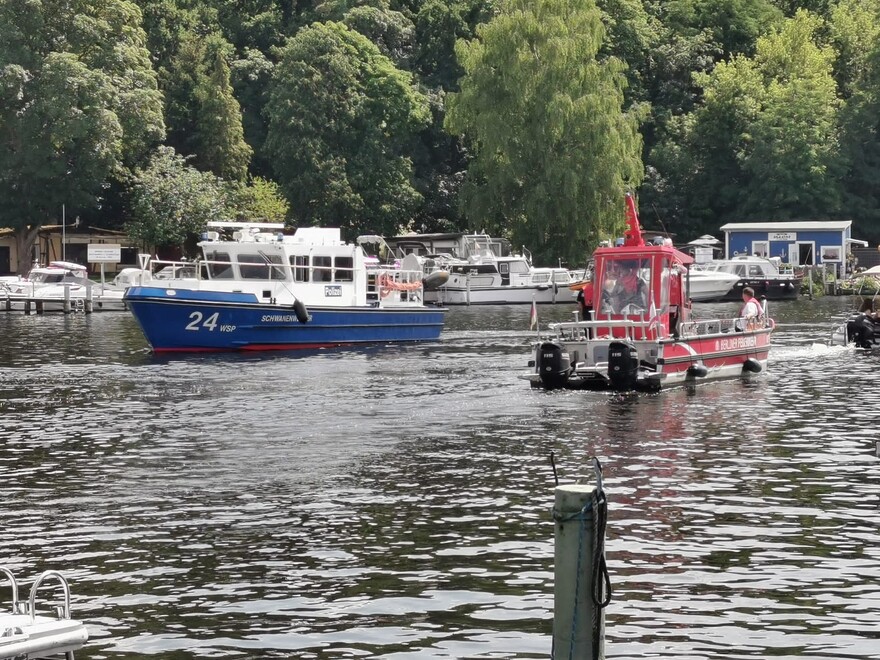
{"x":764,"y":142}
{"x":171,"y":200}
{"x":341,"y":120}
{"x":261,"y":201}
{"x":553,"y":147}
{"x":79,"y":101}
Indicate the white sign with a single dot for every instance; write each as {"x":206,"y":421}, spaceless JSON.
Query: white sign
{"x":703,"y":255}
{"x":107,"y":253}
{"x":782,"y":236}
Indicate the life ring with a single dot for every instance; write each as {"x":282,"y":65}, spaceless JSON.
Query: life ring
{"x":384,"y":284}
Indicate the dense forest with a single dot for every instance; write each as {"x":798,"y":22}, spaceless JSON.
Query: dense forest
{"x":522,"y":118}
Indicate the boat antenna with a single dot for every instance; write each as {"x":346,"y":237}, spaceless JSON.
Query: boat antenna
{"x":659,"y":219}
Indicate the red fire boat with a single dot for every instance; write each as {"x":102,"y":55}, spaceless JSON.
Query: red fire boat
{"x":638,"y":332}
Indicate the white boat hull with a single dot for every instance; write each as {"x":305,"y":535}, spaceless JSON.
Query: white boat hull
{"x":706,"y":286}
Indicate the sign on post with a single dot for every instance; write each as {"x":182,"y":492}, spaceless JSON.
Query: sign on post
{"x":104,"y":253}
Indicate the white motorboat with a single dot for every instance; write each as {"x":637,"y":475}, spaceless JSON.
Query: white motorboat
{"x":709,"y":284}
{"x":26,"y":634}
{"x":482,"y":270}
{"x":60,"y":284}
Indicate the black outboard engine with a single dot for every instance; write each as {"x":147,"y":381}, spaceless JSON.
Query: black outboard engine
{"x":623,"y":365}
{"x":553,"y":365}
{"x":860,"y":329}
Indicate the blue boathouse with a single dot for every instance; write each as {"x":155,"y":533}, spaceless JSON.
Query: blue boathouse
{"x":796,"y":243}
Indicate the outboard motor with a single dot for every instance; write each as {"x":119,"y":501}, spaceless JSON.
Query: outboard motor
{"x":623,"y":365}
{"x":553,"y":365}
{"x":860,"y":329}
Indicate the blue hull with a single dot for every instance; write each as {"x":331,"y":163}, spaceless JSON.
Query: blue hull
{"x":183,"y":320}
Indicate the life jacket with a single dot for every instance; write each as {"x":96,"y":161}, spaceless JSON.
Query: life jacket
{"x":630,"y":282}
{"x":759,"y":315}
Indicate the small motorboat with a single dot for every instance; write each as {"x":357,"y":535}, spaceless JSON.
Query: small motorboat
{"x":639,"y":333}
{"x":480,"y":270}
{"x":26,"y":634}
{"x":707,"y":285}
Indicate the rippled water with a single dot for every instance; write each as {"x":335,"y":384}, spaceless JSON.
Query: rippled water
{"x":394,"y":502}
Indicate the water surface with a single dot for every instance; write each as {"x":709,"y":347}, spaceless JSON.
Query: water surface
{"x":394,"y":502}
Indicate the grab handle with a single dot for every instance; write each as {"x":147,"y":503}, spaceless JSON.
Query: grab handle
{"x":62,"y":612}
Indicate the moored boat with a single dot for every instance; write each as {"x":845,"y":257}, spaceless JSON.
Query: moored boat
{"x":60,"y":285}
{"x":708,"y":285}
{"x":264,"y":290}
{"x":640,"y":334}
{"x":761,"y":275}
{"x":482,"y":270}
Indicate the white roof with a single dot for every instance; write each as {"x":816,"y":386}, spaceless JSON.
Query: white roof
{"x":814,"y":225}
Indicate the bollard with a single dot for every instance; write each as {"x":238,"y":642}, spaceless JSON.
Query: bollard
{"x":67,"y":300}
{"x":582,"y":588}
{"x":87,"y":306}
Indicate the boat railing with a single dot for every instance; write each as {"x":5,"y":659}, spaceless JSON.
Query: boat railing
{"x":17,"y":607}
{"x":638,"y":329}
{"x":722,"y":326}
{"x":633,"y":329}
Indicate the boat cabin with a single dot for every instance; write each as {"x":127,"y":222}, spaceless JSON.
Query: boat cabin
{"x":638,"y":288}
{"x":313,"y":265}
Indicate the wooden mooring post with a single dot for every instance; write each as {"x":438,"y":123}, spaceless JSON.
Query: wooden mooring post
{"x":582,"y":587}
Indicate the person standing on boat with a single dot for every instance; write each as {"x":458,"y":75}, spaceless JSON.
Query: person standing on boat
{"x":752,"y":310}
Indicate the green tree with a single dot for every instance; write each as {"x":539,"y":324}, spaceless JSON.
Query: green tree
{"x":204,"y":118}
{"x":79,"y":102}
{"x":342,"y":120}
{"x":735,"y":25}
{"x":764,"y":144}
{"x":172,"y":201}
{"x":390,"y":30}
{"x":860,"y":117}
{"x":222,"y":148}
{"x":553,"y":148}
{"x":261,"y":201}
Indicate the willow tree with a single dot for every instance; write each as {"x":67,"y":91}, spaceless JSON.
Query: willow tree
{"x":78,"y":103}
{"x":553,"y":147}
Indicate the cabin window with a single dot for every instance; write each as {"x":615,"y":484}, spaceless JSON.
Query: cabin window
{"x":344,"y":269}
{"x":255,"y":267}
{"x":520,"y":267}
{"x":504,"y":268}
{"x":219,"y":265}
{"x":300,"y":265}
{"x":756,"y":271}
{"x":322,"y":269}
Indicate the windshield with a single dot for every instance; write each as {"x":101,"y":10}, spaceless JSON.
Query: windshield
{"x":626,"y":286}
